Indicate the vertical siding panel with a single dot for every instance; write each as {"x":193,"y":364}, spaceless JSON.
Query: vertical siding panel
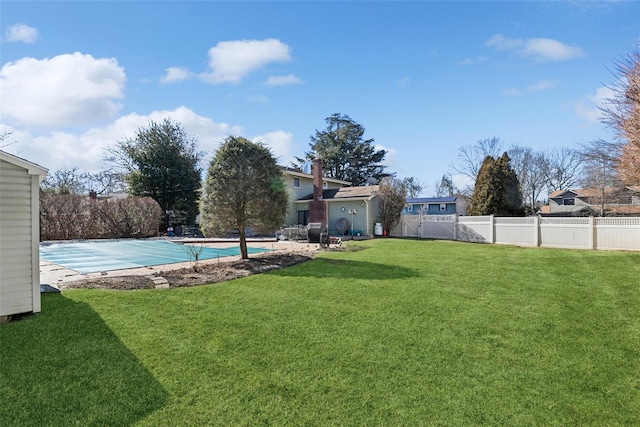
{"x":19,"y":236}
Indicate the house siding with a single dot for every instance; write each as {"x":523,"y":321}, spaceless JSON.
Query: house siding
{"x":295,"y":193}
{"x":17,"y":237}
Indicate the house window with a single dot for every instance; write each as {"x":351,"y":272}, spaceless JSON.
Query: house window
{"x":567,"y":202}
{"x":296,"y":182}
{"x":443,"y":207}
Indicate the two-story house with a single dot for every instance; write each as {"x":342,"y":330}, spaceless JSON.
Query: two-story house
{"x":299,"y":185}
{"x":342,"y":209}
{"x":436,"y":206}
{"x":593,"y":202}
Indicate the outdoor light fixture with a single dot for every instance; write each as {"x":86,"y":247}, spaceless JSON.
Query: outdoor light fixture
{"x":352,"y":212}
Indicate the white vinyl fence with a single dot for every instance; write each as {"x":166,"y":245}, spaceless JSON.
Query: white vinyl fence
{"x":610,"y":233}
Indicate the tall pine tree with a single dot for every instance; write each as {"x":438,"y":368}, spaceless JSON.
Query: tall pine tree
{"x":345,"y":154}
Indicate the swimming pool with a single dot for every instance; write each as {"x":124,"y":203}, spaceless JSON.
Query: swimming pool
{"x":96,"y":256}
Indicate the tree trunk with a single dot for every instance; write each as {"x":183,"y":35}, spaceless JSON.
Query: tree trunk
{"x":243,"y":243}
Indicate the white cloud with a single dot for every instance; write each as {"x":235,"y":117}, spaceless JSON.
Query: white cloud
{"x":403,"y":82}
{"x":512,"y":91}
{"x":66,"y":90}
{"x":535,"y":87}
{"x":283,"y":80}
{"x":280,"y":143}
{"x":86,"y":150}
{"x":21,"y":33}
{"x":231,"y":61}
{"x":588,"y":106}
{"x":537,"y":49}
{"x":541,"y":85}
{"x":258,"y":99}
{"x":471,"y":61}
{"x":175,"y":74}
{"x":391,"y":159}
{"x":462,"y":181}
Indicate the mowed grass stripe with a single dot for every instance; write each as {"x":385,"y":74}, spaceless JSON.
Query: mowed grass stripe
{"x":404,"y":332}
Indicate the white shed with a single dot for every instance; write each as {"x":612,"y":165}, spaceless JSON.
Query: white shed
{"x":19,"y":235}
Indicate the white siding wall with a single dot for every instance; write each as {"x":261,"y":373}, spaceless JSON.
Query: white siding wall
{"x":17,"y":261}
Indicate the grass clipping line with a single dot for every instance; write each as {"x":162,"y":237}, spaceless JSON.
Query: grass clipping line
{"x":212,"y":272}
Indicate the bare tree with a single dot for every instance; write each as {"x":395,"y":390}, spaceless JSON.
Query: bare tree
{"x":446,"y":187}
{"x":4,"y":136}
{"x":621,"y":112}
{"x":563,"y":168}
{"x":392,"y":197}
{"x":601,"y":160}
{"x":531,"y":167}
{"x":65,"y":181}
{"x":107,"y":181}
{"x":470,"y":157}
{"x":193,"y":252}
{"x":413,"y":186}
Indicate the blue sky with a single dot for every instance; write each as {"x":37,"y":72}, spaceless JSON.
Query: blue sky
{"x":422,"y":77}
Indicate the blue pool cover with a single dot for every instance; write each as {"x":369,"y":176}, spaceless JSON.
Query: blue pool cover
{"x":96,"y":256}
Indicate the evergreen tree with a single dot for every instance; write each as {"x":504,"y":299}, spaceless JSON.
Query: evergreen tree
{"x":163,"y":163}
{"x":485,"y":198}
{"x":244,"y":188}
{"x":511,"y":187}
{"x":496,"y":191}
{"x":345,"y":154}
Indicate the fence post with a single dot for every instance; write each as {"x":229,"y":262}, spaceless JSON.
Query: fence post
{"x":492,"y":229}
{"x":592,"y":233}
{"x":536,"y":230}
{"x":455,"y":226}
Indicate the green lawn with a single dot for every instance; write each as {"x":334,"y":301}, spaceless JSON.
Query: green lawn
{"x":403,"y":333}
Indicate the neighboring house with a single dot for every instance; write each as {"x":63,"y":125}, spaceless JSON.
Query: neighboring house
{"x":110,"y":195}
{"x":19,"y":235}
{"x":299,"y":184}
{"x":624,"y":201}
{"x":436,"y":206}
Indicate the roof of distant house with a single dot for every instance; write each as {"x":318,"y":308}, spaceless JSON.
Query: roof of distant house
{"x":362,"y":192}
{"x":300,"y":173}
{"x":591,"y":192}
{"x":426,"y":200}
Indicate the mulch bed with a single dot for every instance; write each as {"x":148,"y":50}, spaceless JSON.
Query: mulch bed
{"x":205,"y":274}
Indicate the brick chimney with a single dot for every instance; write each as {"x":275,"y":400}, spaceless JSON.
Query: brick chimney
{"x":317,"y":211}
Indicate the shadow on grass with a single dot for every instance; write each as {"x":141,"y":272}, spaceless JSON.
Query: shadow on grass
{"x":347,"y":269}
{"x":64,"y":366}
